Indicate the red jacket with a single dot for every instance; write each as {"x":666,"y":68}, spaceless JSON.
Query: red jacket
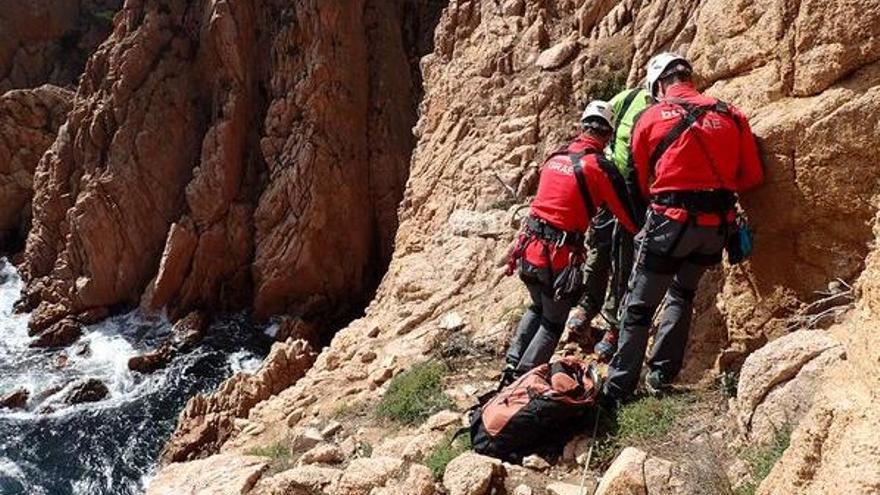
{"x":735,"y":166}
{"x":559,"y":201}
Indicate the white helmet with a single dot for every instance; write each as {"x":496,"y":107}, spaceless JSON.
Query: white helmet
{"x":598,"y":114}
{"x":662,"y":65}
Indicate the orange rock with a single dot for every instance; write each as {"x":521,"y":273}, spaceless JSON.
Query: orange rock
{"x":29,"y":119}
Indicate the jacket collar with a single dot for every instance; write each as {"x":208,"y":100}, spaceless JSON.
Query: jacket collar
{"x":585,"y":143}
{"x":681,"y":91}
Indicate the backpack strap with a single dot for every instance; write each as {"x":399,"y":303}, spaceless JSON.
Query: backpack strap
{"x":582,"y":183}
{"x":624,"y":107}
{"x":693,"y":114}
{"x":618,"y":183}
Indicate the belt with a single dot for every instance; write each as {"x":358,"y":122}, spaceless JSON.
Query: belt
{"x":718,"y":201}
{"x":549,"y":233}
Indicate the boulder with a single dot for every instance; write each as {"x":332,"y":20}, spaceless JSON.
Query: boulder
{"x":224,"y":474}
{"x":626,"y":474}
{"x":60,"y":334}
{"x":443,"y":420}
{"x":363,"y":475}
{"x":535,"y":463}
{"x":322,"y":454}
{"x":557,"y":56}
{"x":634,"y":472}
{"x":471,"y":474}
{"x":558,"y":488}
{"x":17,"y":399}
{"x":90,"y":390}
{"x":185,"y":334}
{"x":301,"y":480}
{"x":419,"y":481}
{"x":151,"y":361}
{"x":525,"y":490}
{"x":778,"y":382}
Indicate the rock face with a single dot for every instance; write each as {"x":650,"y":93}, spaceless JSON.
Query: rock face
{"x":48,"y":41}
{"x":208,"y":421}
{"x":29,"y":120}
{"x":834,"y":448}
{"x":197,"y":171}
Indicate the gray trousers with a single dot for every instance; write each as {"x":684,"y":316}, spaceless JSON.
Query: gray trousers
{"x":539,"y":330}
{"x":597,"y":268}
{"x":671,"y":259}
{"x":608,"y":267}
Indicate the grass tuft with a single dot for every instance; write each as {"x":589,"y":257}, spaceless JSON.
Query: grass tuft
{"x":447,"y":450}
{"x":415,"y":394}
{"x":639,"y":422}
{"x":278,"y":453}
{"x":761,"y":459}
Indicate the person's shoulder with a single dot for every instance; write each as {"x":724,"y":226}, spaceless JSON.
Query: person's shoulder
{"x":651,"y":113}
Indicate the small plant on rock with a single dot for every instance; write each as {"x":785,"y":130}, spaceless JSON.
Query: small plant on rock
{"x":728,"y":383}
{"x":447,"y":450}
{"x":416,"y":394}
{"x":761,"y":459}
{"x":278,"y":453}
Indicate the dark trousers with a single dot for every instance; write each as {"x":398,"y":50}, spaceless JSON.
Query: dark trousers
{"x":539,"y":331}
{"x":671,"y":259}
{"x":608,"y":267}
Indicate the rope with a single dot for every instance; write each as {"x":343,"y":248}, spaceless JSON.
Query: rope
{"x":581,"y":490}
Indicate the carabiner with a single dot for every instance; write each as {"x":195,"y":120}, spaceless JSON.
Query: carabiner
{"x":561,"y":241}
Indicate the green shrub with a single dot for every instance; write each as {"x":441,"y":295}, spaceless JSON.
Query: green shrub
{"x":445,"y":452}
{"x":415,"y":394}
{"x":607,"y":88}
{"x":104,"y":16}
{"x":728,"y":383}
{"x":278,"y":453}
{"x":761,"y":459}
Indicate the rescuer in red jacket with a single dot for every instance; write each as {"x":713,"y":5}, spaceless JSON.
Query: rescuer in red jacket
{"x":549,"y":252}
{"x":692,"y":154}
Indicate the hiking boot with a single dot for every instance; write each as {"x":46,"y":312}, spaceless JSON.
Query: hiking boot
{"x":607,"y":347}
{"x":655,"y":384}
{"x":508,"y":376}
{"x":608,"y":403}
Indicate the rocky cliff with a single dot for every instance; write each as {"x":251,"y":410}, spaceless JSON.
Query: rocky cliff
{"x":29,"y":121}
{"x":258,"y":154}
{"x":228,"y":155}
{"x":48,"y":41}
{"x":503,"y":86}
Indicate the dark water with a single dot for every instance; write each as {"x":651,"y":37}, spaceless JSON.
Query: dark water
{"x":109,"y":447}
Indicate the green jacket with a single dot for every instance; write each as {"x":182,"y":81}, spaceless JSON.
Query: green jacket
{"x":618,"y":148}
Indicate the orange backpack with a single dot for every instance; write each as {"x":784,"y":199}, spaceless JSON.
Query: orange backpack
{"x":537,"y":410}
